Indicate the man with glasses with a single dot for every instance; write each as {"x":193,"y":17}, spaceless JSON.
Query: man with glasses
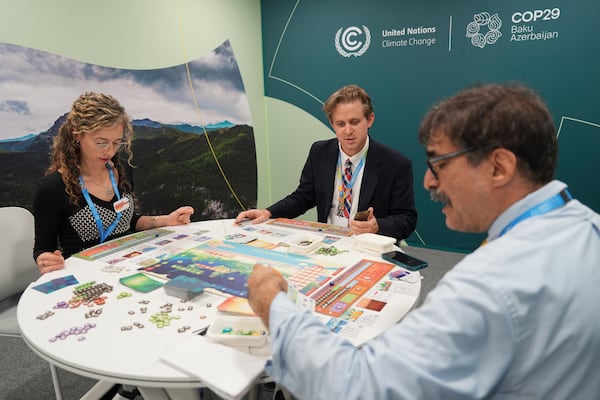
{"x":85,"y":198}
{"x":517,"y":318}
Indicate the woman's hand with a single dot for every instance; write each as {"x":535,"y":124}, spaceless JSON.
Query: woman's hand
{"x":48,"y":261}
{"x":181,"y":216}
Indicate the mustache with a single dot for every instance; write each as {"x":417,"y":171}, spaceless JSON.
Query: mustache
{"x":435,"y":195}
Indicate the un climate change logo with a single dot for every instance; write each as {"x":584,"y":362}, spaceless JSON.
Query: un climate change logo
{"x":347,"y":44}
{"x":493,"y":23}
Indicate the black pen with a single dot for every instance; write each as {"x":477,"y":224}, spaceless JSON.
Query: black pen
{"x":201,"y":331}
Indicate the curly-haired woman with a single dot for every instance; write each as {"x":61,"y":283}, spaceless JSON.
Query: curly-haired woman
{"x":85,"y":198}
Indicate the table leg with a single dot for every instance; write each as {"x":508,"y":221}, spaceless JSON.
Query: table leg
{"x":55,"y":382}
{"x":253,"y":392}
{"x":98,"y":390}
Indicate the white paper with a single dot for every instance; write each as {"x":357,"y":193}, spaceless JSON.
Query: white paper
{"x":223,"y":369}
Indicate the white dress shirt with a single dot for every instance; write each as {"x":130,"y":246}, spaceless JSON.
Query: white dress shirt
{"x":333,"y":218}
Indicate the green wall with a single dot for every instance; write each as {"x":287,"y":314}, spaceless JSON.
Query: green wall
{"x":419,"y":52}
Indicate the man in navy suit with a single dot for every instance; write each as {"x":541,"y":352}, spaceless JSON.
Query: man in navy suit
{"x":349,"y":174}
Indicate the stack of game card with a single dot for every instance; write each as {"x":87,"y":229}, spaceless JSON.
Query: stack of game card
{"x":185,"y":287}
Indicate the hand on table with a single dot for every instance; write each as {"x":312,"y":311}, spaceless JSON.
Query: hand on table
{"x":263,"y":285}
{"x":50,"y":261}
{"x":181,"y":216}
{"x":257,"y":216}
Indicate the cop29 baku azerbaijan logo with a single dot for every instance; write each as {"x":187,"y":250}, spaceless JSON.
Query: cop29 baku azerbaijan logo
{"x":349,"y":41}
{"x":484,"y":20}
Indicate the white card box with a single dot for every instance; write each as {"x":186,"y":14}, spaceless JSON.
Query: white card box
{"x":238,"y":331}
{"x":374,"y":243}
{"x":305,"y":244}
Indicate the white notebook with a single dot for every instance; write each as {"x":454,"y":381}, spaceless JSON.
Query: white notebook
{"x":228,"y":372}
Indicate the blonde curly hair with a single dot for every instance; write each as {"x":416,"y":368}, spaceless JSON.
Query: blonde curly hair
{"x":90,"y":112}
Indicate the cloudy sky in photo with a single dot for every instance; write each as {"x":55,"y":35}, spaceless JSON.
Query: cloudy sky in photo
{"x":37,"y":87}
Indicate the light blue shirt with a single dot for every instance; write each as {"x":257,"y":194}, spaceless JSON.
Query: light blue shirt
{"x":517,"y":319}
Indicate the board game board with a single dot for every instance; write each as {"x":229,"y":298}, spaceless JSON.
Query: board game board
{"x":227,"y":265}
{"x":118,"y":244}
{"x":312,"y":226}
{"x":343,"y":290}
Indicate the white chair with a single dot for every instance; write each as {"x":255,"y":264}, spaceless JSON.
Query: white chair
{"x":18,"y":268}
{"x":17,"y":271}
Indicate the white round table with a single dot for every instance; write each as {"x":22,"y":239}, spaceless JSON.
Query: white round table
{"x":124,"y":345}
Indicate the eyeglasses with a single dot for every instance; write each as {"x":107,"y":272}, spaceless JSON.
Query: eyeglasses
{"x":434,"y":160}
{"x":102,"y":146}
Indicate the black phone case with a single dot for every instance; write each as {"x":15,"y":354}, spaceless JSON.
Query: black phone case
{"x":415,"y":264}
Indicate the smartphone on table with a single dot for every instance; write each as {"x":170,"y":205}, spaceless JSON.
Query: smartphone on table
{"x":404,"y":260}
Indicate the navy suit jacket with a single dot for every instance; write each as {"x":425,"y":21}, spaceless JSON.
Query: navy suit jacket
{"x":387,"y":186}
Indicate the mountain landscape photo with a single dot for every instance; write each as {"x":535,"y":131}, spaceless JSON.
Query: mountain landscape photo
{"x":173,"y":166}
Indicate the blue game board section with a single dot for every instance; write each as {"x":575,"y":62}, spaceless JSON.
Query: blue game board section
{"x":224,"y":265}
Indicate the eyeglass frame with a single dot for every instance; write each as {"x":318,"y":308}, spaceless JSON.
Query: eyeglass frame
{"x":447,"y":156}
{"x":102,"y":146}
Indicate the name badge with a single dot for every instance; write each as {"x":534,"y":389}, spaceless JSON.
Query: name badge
{"x":121,"y":205}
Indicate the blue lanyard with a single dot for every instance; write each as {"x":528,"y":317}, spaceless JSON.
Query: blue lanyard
{"x":544,"y":207}
{"x":103,"y":233}
{"x":354,"y":174}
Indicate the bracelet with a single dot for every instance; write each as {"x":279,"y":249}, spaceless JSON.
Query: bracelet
{"x":155,"y":221}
